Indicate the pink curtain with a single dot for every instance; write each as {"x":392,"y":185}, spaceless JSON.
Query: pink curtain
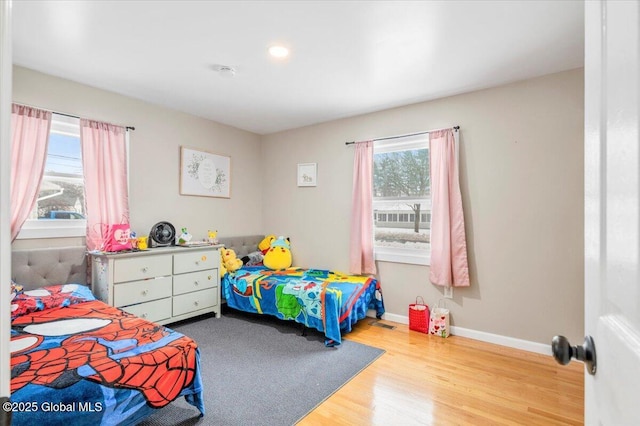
{"x":361,"y":259}
{"x":104,"y":160}
{"x":30,"y":133}
{"x":449,"y":265}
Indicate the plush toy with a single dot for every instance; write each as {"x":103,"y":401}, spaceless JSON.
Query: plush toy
{"x":223,"y":269}
{"x":142,"y":243}
{"x":230,"y":260}
{"x":213,"y":237}
{"x":279,"y":254}
{"x":266,"y":243}
{"x":185,"y":237}
{"x":256,"y":258}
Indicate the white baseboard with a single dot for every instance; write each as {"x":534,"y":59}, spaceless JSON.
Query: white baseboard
{"x":510,"y":342}
{"x":401,"y":319}
{"x":497,"y":339}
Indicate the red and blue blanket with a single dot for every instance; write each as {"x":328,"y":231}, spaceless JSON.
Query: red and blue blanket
{"x":76,"y":360}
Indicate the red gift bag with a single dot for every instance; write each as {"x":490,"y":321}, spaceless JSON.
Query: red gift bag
{"x":419,"y":316}
{"x":117,"y":237}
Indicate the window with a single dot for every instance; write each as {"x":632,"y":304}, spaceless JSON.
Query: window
{"x":401,"y":194}
{"x":59,"y":210}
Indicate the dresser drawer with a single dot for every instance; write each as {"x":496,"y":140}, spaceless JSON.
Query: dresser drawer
{"x":156,"y":310}
{"x":194,"y":281}
{"x":142,"y":291}
{"x":138,"y":268}
{"x":194,"y":301}
{"x":195,"y":261}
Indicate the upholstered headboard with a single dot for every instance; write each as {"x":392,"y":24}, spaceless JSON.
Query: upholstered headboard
{"x":34,"y":268}
{"x":242,"y":245}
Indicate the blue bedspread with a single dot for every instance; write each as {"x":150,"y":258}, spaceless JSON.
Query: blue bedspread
{"x":328,"y":301}
{"x":76,"y":361}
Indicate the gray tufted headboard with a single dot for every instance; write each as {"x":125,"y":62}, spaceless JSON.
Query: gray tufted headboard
{"x":242,"y":245}
{"x":34,"y":268}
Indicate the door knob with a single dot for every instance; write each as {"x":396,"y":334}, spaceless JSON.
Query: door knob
{"x":563,"y":352}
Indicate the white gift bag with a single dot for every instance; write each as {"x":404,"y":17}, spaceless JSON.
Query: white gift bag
{"x":439,"y":321}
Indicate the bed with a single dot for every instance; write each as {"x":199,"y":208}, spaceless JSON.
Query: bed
{"x":77,"y":360}
{"x":328,"y":301}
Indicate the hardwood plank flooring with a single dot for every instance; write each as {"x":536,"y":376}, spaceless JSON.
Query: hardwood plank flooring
{"x":428,"y":380}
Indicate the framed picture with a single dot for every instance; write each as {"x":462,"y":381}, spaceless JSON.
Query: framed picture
{"x":204,"y":174}
{"x":307,"y":174}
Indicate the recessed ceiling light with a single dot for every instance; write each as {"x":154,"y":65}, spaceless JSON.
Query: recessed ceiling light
{"x":278,"y":51}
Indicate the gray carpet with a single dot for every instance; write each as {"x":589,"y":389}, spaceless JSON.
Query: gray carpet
{"x":258,"y":370}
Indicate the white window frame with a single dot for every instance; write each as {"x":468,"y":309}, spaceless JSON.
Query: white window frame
{"x":394,"y":254}
{"x":53,"y":228}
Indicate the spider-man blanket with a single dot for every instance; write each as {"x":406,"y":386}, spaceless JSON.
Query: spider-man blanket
{"x":328,"y":301}
{"x":92,"y":364}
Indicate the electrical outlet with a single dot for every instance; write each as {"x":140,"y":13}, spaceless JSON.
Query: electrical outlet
{"x":448,"y":292}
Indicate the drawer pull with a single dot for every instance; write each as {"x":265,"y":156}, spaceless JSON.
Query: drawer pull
{"x":197,"y":262}
{"x":145,"y":269}
{"x":196,"y":283}
{"x":143,"y":315}
{"x":145,"y":292}
{"x":196,"y":303}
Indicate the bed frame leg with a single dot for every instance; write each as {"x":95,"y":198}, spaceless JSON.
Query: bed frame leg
{"x":303,"y":331}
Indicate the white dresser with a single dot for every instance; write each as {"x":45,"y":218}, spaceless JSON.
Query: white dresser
{"x":163,"y":285}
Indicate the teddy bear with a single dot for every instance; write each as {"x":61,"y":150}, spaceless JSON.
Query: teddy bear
{"x":230,"y":260}
{"x":279,"y":254}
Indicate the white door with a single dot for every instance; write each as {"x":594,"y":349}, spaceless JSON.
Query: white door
{"x":612,"y":210}
{"x":5,"y":177}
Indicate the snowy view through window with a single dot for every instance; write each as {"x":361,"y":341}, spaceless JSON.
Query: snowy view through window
{"x":401,"y":203}
{"x":61,"y":193}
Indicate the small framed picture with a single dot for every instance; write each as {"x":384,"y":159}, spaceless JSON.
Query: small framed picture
{"x":307,"y":174}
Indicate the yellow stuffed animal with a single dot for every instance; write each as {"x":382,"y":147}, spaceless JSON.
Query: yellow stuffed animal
{"x":279,"y":254}
{"x":230,"y":260}
{"x":223,"y":269}
{"x":266,"y":243}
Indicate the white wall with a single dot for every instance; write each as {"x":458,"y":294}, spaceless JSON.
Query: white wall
{"x":154,"y":156}
{"x":521,"y":166}
{"x":521,"y":176}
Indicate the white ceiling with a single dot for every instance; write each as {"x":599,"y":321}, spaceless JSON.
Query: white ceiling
{"x":347,"y":57}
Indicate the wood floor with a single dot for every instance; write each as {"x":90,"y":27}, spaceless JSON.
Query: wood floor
{"x":428,"y":380}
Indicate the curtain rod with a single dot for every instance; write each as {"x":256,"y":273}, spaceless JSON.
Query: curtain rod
{"x":404,"y":136}
{"x":73,"y":116}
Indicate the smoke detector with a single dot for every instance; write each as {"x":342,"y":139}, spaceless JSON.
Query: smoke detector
{"x":225,"y":71}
